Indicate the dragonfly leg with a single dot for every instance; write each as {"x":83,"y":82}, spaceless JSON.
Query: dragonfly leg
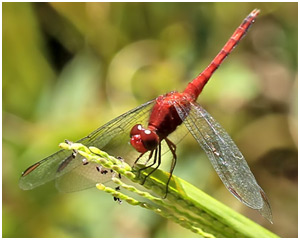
{"x":172,"y":148}
{"x":135,"y":162}
{"x":149,"y":158}
{"x":154,"y":162}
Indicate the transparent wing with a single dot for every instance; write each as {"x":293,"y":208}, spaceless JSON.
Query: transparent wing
{"x":225,"y":157}
{"x":69,"y":170}
{"x":82,"y":177}
{"x":77,"y":176}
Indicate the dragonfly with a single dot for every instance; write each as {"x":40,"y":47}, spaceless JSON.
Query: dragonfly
{"x":146,"y":133}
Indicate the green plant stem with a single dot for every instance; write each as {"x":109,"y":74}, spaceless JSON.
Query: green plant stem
{"x":184,"y":204}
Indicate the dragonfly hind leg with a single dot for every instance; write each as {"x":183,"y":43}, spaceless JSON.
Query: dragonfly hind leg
{"x":172,"y":148}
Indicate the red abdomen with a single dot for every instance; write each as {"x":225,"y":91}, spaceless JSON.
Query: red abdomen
{"x":164,"y":118}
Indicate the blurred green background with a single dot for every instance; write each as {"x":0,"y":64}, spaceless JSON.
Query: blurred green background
{"x":68,"y":68}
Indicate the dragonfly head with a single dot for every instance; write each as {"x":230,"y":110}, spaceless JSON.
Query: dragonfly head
{"x":142,"y":139}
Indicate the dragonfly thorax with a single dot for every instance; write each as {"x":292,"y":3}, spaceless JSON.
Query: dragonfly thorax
{"x":142,"y":139}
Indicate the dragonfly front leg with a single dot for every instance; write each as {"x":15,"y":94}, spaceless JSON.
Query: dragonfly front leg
{"x":142,"y":154}
{"x":139,"y":157}
{"x":157,"y":151}
{"x":154,"y":162}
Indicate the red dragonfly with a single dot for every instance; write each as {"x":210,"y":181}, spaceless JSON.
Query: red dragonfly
{"x":163,"y":118}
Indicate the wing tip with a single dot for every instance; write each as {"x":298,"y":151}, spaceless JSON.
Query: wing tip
{"x":266,"y":211}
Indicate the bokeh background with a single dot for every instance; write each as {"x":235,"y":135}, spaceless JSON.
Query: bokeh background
{"x":68,"y":68}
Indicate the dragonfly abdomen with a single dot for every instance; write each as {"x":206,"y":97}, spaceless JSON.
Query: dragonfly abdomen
{"x":195,"y":87}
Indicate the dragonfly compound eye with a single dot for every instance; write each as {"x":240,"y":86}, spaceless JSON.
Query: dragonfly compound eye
{"x":142,"y":139}
{"x":135,"y":138}
{"x":150,"y":139}
{"x":136,"y":130}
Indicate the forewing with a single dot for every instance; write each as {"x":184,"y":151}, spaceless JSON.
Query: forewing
{"x":68,"y":168}
{"x":44,"y":170}
{"x":225,"y":157}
